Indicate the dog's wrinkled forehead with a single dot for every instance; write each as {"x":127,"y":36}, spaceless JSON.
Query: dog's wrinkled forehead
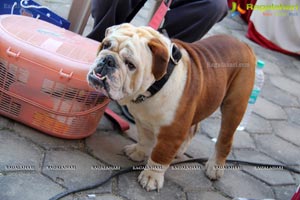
{"x":125,"y":31}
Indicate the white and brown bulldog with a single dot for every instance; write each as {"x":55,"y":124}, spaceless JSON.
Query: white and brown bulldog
{"x":169,"y":86}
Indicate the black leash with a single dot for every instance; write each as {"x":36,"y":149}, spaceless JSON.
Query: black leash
{"x":197,"y":160}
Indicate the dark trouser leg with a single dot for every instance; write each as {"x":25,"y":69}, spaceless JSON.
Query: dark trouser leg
{"x":107,"y":13}
{"x":190,"y":20}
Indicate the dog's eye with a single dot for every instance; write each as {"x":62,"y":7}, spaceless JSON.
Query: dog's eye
{"x":130,"y":66}
{"x":106,"y":45}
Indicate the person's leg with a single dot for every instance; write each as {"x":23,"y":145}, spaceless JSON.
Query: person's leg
{"x":107,"y":13}
{"x":190,"y":20}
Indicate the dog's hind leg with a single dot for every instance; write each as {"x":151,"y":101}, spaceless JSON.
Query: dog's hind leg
{"x":193,"y":130}
{"x":232,"y":109}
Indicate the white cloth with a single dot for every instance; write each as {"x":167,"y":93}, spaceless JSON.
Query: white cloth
{"x":280,"y":25}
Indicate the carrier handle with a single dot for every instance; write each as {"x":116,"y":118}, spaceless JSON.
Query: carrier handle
{"x":11,"y":53}
{"x":65,"y":75}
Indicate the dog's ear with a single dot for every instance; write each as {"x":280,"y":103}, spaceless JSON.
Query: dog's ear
{"x":99,"y":48}
{"x":109,"y":30}
{"x":160,"y":58}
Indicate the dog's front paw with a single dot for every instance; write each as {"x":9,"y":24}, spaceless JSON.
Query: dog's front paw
{"x":213,"y":170}
{"x":134,"y":152}
{"x":151,"y":180}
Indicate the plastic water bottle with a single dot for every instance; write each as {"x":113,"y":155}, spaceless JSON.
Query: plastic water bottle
{"x":259,"y":81}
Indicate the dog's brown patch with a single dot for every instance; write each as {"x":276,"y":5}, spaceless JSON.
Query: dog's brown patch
{"x":207,"y":88}
{"x":160,"y":58}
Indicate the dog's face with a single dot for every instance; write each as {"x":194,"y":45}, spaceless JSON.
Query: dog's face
{"x":129,"y":60}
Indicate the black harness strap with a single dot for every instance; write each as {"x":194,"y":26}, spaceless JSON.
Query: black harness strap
{"x":157,"y":85}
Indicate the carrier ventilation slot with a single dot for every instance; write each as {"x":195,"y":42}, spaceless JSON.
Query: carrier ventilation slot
{"x":6,"y":77}
{"x":3,"y":72}
{"x":7,"y":103}
{"x":11,"y":74}
{"x":67,"y":99}
{"x":8,"y":106}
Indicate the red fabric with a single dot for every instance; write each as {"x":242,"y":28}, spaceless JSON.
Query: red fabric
{"x":243,"y":5}
{"x":261,"y":40}
{"x":123,"y":125}
{"x":159,"y":15}
{"x":296,"y":195}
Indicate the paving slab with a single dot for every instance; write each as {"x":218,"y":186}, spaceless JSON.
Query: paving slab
{"x":219,"y":29}
{"x":206,"y":195}
{"x":234,"y":24}
{"x":108,"y":147}
{"x":284,"y":192}
{"x":201,"y":147}
{"x":240,"y":35}
{"x":106,"y":124}
{"x":258,"y":125}
{"x":288,"y":131}
{"x":4,"y":123}
{"x":130,"y":189}
{"x":75,"y":169}
{"x":98,"y":197}
{"x":271,"y":176}
{"x":266,"y":55}
{"x":282,"y":60}
{"x":44,"y":140}
{"x":286,"y":84}
{"x":27,"y":187}
{"x":297,"y":178}
{"x":18,"y":154}
{"x":278,"y":149}
{"x":293,"y":73}
{"x":269,"y":110}
{"x":271,"y":67}
{"x":294,"y":115}
{"x":211,"y":127}
{"x":296,"y":63}
{"x":235,"y":183}
{"x":279,"y":96}
{"x":190,"y":177}
{"x":243,"y":140}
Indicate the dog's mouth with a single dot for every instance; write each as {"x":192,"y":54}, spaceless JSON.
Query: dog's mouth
{"x":99,"y":82}
{"x":99,"y":76}
{"x":106,"y":77}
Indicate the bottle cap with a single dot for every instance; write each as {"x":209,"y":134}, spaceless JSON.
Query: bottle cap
{"x":260,"y":64}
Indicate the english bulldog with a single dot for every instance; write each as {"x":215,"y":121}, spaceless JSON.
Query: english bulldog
{"x":169,"y":86}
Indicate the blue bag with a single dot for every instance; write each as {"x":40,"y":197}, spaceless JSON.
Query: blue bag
{"x":32,"y":9}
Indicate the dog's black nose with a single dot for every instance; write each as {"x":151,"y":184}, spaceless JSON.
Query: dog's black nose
{"x":107,"y":61}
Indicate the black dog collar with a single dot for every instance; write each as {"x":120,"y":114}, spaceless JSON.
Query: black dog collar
{"x":157,"y":85}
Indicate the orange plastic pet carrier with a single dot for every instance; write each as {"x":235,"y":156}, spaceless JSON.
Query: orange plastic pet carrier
{"x":43,"y":78}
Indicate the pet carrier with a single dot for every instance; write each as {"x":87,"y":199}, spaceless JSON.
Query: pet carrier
{"x":43,"y":78}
